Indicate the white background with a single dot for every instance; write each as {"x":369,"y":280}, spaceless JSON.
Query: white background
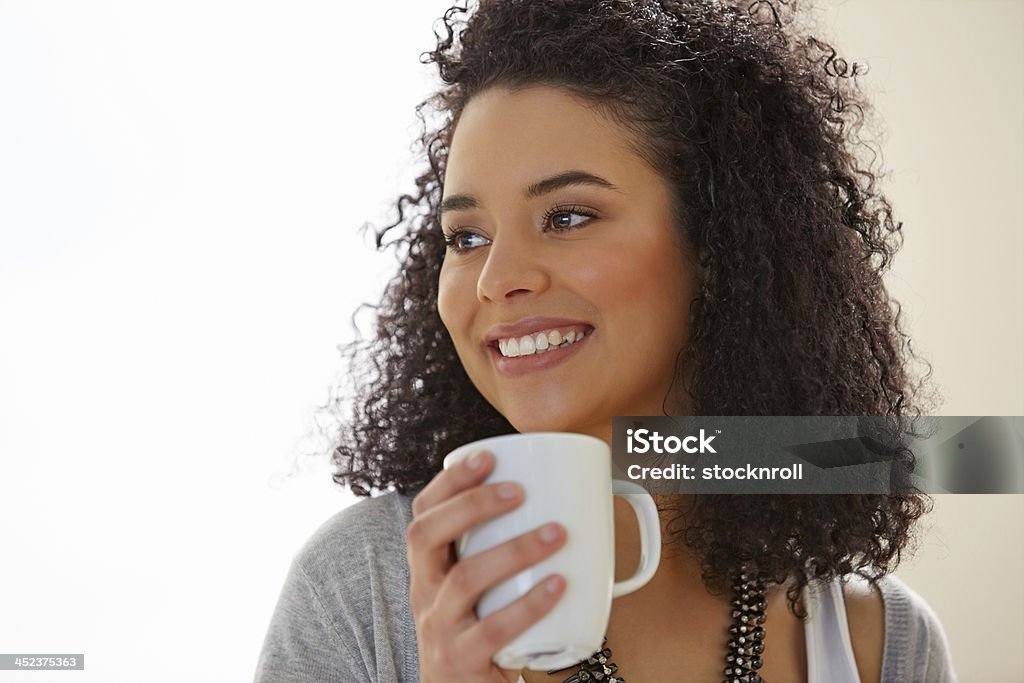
{"x":181,"y":191}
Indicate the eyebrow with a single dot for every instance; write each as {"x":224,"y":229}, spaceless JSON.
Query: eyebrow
{"x":458,"y":202}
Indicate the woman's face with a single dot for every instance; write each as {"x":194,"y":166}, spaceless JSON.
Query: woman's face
{"x":560,"y":236}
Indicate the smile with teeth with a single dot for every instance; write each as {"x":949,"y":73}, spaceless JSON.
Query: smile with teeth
{"x":539,"y":342}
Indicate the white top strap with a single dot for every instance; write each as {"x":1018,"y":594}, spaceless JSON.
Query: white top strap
{"x":829,"y":651}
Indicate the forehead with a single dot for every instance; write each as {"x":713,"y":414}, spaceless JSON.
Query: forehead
{"x":517,"y":136}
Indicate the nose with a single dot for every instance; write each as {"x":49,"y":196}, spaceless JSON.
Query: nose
{"x":513,"y":270}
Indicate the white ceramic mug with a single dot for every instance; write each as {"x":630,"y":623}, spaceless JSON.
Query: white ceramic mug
{"x":566,"y":479}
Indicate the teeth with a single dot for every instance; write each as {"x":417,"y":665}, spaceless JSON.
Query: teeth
{"x":541,"y":342}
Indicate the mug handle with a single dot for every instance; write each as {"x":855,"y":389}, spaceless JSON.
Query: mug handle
{"x":650,"y":535}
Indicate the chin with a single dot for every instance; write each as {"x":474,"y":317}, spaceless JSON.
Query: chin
{"x":541,"y":422}
{"x":546,"y":411}
{"x":535,"y":425}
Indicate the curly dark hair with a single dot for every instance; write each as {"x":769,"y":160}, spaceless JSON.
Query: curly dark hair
{"x":756,"y":126}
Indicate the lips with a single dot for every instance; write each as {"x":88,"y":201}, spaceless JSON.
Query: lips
{"x":542,"y":342}
{"x":505,"y":343}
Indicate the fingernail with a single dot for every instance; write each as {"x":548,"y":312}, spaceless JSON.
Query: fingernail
{"x":508,"y":491}
{"x":476,"y":460}
{"x":553,"y":585}
{"x":549,"y":533}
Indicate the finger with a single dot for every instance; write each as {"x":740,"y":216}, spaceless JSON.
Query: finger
{"x":469,"y":578}
{"x":486,"y":637}
{"x":429,"y":536}
{"x":468,"y":472}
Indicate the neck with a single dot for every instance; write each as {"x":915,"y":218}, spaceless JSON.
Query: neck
{"x":601,"y":431}
{"x":679,"y":571}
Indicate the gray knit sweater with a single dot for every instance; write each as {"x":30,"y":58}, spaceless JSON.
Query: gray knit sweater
{"x":343,"y":615}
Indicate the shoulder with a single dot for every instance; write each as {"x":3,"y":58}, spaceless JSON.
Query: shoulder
{"x":343,"y":611}
{"x":371,"y":519}
{"x":365,"y":538}
{"x":915,"y":643}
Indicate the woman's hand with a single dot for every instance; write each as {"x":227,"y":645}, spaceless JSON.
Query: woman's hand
{"x":453,"y":644}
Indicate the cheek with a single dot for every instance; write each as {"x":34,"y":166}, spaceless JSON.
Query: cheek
{"x":604,"y":272}
{"x":630,"y":273}
{"x":645,"y":284}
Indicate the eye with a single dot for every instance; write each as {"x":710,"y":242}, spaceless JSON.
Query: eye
{"x":460,"y":241}
{"x":565,"y":218}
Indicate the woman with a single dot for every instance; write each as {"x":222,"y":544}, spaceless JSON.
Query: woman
{"x":668,"y":193}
